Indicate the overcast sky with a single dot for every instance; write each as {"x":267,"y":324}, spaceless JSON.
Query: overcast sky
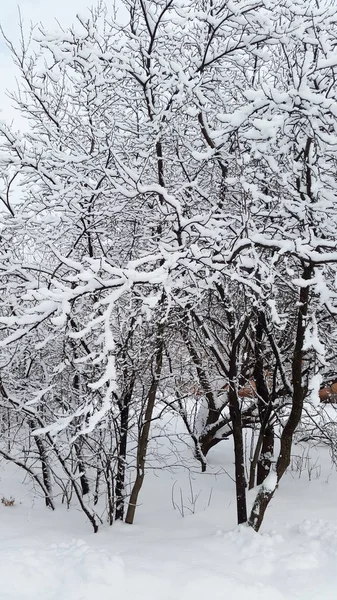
{"x":33,"y":11}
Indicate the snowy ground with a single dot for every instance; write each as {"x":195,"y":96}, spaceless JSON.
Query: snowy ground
{"x":54,"y":556}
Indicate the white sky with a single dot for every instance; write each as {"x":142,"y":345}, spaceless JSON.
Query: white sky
{"x":32,"y":11}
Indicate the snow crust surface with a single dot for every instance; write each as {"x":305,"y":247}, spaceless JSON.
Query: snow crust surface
{"x":164,"y":556}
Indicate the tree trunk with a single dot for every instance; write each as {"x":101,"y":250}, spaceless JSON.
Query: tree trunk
{"x":236,"y":419}
{"x":121,"y":462}
{"x":264,"y":403}
{"x":266,"y":455}
{"x":143,"y":440}
{"x":79,"y":443}
{"x":266,"y":493}
{"x":45,"y":472}
{"x":46,"y":476}
{"x":81,"y":467}
{"x":240,"y":479}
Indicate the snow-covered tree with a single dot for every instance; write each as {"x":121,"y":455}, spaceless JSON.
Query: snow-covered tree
{"x":173,"y":203}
